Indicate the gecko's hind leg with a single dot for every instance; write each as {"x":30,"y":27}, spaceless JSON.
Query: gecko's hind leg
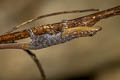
{"x":32,"y":35}
{"x":35,"y":38}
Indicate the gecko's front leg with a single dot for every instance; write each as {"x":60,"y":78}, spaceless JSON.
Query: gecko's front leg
{"x":46,"y":40}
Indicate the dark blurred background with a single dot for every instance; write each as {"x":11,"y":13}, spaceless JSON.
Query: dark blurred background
{"x":95,"y":58}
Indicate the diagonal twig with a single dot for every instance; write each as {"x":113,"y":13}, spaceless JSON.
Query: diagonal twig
{"x":48,"y":15}
{"x":37,"y":62}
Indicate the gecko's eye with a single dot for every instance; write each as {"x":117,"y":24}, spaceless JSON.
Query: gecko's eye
{"x":92,"y":33}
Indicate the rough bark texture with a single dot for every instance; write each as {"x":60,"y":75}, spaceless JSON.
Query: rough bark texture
{"x":88,"y":20}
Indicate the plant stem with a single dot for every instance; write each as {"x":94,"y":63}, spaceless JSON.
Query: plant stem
{"x":88,"y":20}
{"x":37,"y":62}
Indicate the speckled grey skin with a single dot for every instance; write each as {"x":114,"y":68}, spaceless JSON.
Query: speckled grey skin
{"x":46,"y":40}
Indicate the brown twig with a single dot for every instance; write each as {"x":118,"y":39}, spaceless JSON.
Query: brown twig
{"x":48,"y":15}
{"x":88,"y":20}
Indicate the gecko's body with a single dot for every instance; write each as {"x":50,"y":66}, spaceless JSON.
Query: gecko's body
{"x":46,"y":40}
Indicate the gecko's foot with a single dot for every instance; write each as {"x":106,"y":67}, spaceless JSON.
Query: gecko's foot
{"x":65,"y":25}
{"x":64,"y":22}
{"x":32,"y":35}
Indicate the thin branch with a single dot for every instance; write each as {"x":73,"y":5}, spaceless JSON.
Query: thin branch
{"x":88,"y":20}
{"x":15,"y":46}
{"x":37,"y":62}
{"x":48,"y":15}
